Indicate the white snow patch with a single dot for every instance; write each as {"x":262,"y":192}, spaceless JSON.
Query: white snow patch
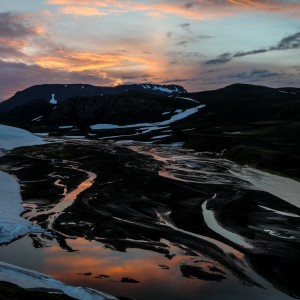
{"x":166,"y":113}
{"x":53,"y":100}
{"x":82,"y":87}
{"x":66,"y":127}
{"x":236,"y":132}
{"x":160,"y":136}
{"x":13,"y":137}
{"x":189,"y":129}
{"x":32,"y":279}
{"x":285,"y":92}
{"x":12,"y":225}
{"x":178,"y":111}
{"x":177,"y":145}
{"x":37,"y":119}
{"x":125,"y":142}
{"x":173,"y":119}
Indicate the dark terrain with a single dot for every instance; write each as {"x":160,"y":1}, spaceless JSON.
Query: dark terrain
{"x":249,"y":124}
{"x":131,"y":204}
{"x":168,"y":209}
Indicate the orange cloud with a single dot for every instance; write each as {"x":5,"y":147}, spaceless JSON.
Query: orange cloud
{"x":82,"y":11}
{"x":200,"y":9}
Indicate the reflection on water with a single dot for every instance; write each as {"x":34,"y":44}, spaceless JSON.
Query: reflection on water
{"x":67,"y":200}
{"x":158,"y":276}
{"x":193,"y":255}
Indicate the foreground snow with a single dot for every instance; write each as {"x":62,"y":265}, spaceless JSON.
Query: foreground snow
{"x":30,"y":279}
{"x":12,"y":225}
{"x":12,"y":137}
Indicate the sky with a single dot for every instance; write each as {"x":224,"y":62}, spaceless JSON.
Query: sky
{"x":199,"y":44}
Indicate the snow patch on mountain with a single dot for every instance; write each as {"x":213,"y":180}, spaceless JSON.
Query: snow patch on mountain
{"x":53,"y":100}
{"x":174,"y":118}
{"x":161,"y":88}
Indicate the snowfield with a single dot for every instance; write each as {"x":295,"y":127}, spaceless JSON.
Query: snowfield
{"x":12,"y":137}
{"x":179,"y":116}
{"x":30,"y":279}
{"x":12,"y":225}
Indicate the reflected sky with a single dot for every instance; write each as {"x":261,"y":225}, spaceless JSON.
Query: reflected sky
{"x":149,"y":268}
{"x":198,"y":44}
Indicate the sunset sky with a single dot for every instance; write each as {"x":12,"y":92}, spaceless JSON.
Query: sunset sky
{"x":200,"y":44}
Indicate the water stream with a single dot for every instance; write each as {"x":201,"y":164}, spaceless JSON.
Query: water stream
{"x":181,"y":263}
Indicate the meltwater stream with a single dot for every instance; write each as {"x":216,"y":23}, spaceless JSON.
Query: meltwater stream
{"x":68,"y":197}
{"x":161,"y":245}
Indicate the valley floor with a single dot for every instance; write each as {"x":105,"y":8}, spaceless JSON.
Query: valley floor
{"x":151,"y":222}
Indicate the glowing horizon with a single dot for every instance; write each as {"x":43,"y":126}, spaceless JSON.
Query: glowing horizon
{"x":198,"y":44}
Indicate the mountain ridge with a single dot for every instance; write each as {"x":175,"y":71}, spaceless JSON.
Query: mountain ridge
{"x":66,"y":91}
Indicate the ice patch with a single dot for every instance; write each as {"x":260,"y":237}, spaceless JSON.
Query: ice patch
{"x":37,"y":119}
{"x":236,"y":132}
{"x":13,"y":137}
{"x":177,"y":145}
{"x":31,"y":279}
{"x":160,"y":136}
{"x":178,"y":111}
{"x":53,"y":100}
{"x":285,"y":92}
{"x":12,"y":225}
{"x":174,"y":118}
{"x":66,"y":127}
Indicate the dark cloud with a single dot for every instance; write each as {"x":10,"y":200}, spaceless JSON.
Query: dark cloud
{"x":254,"y":75}
{"x":221,"y":59}
{"x":182,"y":43}
{"x":170,"y":34}
{"x":287,"y":43}
{"x":185,"y":26}
{"x":183,"y":54}
{"x":253,"y":52}
{"x":178,"y":80}
{"x":18,"y":76}
{"x":188,"y":5}
{"x":134,"y":76}
{"x":14,"y":25}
